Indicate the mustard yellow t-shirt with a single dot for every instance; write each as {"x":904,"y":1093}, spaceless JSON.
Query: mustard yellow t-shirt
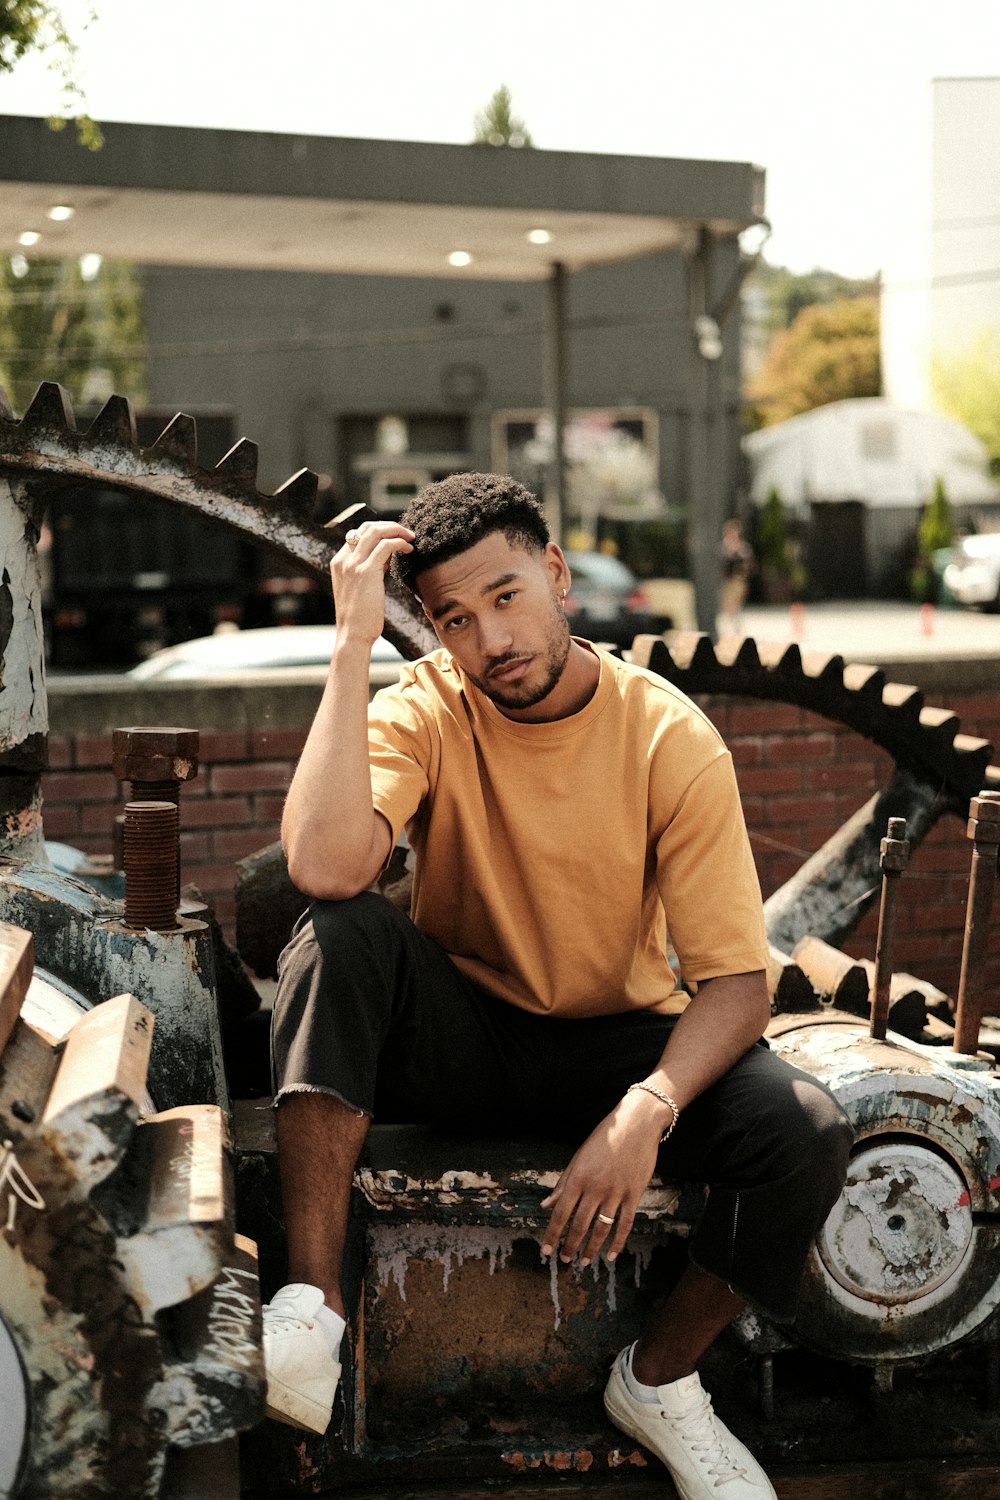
{"x":552,"y":858}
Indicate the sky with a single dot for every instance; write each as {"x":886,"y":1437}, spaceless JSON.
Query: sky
{"x":832,"y":99}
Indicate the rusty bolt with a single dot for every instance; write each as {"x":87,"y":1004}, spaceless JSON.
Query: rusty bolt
{"x":984,"y":830}
{"x":156,"y":761}
{"x":894,"y":852}
{"x":984,"y":818}
{"x":151,"y":851}
{"x":894,"y":849}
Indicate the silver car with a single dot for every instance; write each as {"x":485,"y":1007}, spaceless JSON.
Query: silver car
{"x":972,"y":575}
{"x":267,"y":649}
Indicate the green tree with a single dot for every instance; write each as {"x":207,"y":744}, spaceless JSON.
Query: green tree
{"x":966,"y":385}
{"x":782,"y":574}
{"x":935,"y":532}
{"x":777,"y":295}
{"x":38,"y":26}
{"x":830,"y":352}
{"x":497,"y":125}
{"x":80,"y":325}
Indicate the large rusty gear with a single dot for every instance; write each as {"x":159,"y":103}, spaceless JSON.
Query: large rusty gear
{"x":129,"y":1310}
{"x":937,"y":768}
{"x":45,"y":446}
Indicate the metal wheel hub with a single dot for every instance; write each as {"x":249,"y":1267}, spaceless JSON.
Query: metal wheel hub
{"x":902,"y":1228}
{"x":14,"y":1405}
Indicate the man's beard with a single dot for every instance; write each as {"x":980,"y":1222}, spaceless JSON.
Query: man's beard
{"x":523,"y":695}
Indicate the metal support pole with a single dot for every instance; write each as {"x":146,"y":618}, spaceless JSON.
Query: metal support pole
{"x":983,"y":829}
{"x":894,"y":851}
{"x":555,"y":395}
{"x":703,"y":496}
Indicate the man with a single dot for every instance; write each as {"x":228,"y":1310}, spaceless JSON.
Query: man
{"x":566,"y":811}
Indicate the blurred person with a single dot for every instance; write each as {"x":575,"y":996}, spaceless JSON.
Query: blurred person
{"x":738,"y":566}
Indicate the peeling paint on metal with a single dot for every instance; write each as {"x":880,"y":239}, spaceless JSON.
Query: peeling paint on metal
{"x":394,"y":1246}
{"x":23,"y":671}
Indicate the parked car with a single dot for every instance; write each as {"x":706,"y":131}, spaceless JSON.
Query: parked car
{"x":606,"y":601}
{"x":972,"y":575}
{"x":264,"y":649}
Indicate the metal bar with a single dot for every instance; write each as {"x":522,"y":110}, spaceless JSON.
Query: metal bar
{"x":704,"y":519}
{"x":983,"y":829}
{"x":555,"y":395}
{"x":893,"y":854}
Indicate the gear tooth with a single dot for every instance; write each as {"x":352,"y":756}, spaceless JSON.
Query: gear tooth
{"x":50,"y":413}
{"x":218,"y":1389}
{"x":970,"y":758}
{"x":823,"y":666}
{"x":300,"y":490}
{"x":186,"y":1205}
{"x":97,"y":1092}
{"x":739,"y":652}
{"x":178,"y":444}
{"x":942,"y":723}
{"x":791,"y":991}
{"x":652,"y":652}
{"x":835,"y":976}
{"x":865,"y":682}
{"x":789,"y":663}
{"x":971,"y":745}
{"x":114,"y":426}
{"x":342,"y":522}
{"x":239,"y":467}
{"x":904,"y":702}
{"x":682,"y":648}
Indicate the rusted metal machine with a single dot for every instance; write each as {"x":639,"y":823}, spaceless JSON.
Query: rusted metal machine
{"x":907,"y":1266}
{"x":129,"y":1309}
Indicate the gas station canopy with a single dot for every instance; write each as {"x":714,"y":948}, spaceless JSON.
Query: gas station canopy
{"x":179,"y":196}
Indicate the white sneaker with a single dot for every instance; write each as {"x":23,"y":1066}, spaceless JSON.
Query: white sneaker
{"x":705,"y":1461}
{"x":302,"y":1374}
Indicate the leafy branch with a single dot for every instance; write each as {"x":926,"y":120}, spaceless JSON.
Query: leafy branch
{"x":38,"y":26}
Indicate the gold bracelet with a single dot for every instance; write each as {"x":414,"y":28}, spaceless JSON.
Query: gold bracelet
{"x":659,"y":1093}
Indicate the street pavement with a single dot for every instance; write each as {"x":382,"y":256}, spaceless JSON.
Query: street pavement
{"x":880,"y":633}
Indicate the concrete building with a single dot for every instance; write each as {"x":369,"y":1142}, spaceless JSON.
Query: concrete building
{"x":944,"y":289}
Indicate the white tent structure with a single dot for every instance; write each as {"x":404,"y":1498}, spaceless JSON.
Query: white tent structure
{"x":867,"y":449}
{"x":856,"y":475}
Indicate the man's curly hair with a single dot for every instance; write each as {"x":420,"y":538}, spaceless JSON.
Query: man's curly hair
{"x":454,"y":514}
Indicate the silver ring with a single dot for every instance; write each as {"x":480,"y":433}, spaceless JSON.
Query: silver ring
{"x":352,"y":538}
{"x":605,"y":1220}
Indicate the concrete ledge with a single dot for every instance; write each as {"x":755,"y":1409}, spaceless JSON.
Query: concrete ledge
{"x":285,"y":698}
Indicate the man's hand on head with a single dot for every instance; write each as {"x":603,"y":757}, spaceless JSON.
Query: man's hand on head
{"x":357,"y":573}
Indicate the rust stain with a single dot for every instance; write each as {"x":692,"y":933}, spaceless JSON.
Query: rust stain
{"x":617,"y":1459}
{"x":521,"y":1461}
{"x":560,"y":1459}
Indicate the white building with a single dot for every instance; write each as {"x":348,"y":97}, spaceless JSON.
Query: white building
{"x":944,"y":287}
{"x":856,"y":474}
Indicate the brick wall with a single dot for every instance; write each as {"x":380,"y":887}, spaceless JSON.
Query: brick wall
{"x":800,"y":777}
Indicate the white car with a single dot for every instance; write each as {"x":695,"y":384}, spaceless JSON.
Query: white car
{"x":260,"y":650}
{"x":972,"y":576}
